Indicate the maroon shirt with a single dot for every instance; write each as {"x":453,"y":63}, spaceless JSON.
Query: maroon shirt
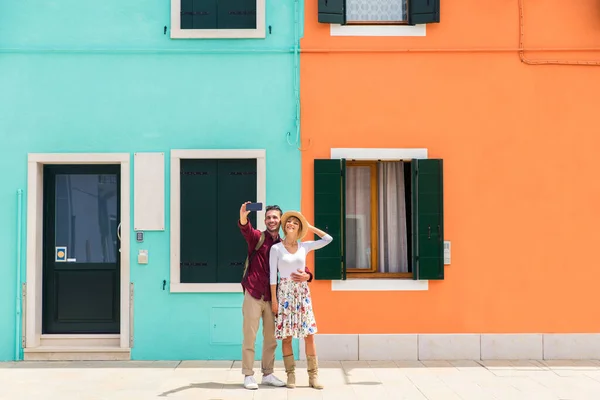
{"x":256,"y":282}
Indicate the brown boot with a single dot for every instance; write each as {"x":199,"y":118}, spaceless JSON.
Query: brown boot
{"x":290,"y":370}
{"x":313,"y":372}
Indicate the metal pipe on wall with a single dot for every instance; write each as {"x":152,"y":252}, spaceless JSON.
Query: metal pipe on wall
{"x":301,"y":50}
{"x":18,"y":288}
{"x":297,"y":68}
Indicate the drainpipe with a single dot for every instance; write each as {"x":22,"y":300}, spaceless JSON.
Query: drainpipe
{"x":18,"y":283}
{"x":297,"y":68}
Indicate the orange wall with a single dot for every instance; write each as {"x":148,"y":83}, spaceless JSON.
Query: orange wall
{"x":520,"y":146}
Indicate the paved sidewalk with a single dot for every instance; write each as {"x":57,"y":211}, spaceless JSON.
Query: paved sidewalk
{"x":216,"y":380}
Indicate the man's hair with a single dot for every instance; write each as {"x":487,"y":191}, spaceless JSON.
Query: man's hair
{"x":274,"y":207}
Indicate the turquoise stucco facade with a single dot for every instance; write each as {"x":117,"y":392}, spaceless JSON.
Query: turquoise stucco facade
{"x":103,"y":77}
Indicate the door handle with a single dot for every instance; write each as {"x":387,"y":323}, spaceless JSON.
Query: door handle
{"x":119,"y":235}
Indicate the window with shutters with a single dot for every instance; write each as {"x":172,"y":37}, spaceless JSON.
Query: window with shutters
{"x":376,"y":12}
{"x":219,"y":19}
{"x":207,"y":189}
{"x":211,"y":247}
{"x":391,"y":218}
{"x":379,"y":12}
{"x":378,"y":218}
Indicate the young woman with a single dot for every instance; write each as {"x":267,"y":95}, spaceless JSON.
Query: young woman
{"x":291,"y":301}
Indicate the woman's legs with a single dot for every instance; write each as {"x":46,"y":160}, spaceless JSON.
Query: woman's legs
{"x":312,"y":363}
{"x":286,"y":347}
{"x":309,"y":343}
{"x":289,"y":362}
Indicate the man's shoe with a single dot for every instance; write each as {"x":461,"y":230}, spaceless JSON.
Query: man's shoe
{"x":250,"y":383}
{"x":272,"y":380}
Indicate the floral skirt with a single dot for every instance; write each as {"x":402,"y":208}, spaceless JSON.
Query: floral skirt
{"x":295,"y":316}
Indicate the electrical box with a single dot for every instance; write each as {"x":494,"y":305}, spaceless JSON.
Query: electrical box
{"x":446,"y":252}
{"x":143,"y":257}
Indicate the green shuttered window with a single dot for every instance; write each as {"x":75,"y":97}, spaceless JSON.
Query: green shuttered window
{"x":428,"y":219}
{"x":330,"y":216}
{"x":332,"y":11}
{"x":212,"y":250}
{"x":357,"y":12}
{"x":198,"y":256}
{"x":218,"y":14}
{"x":423,"y":11}
{"x":386,"y":219}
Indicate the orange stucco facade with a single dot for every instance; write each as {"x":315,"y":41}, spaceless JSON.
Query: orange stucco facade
{"x":520,"y":148}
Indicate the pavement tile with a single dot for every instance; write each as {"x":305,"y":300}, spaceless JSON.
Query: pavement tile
{"x":346,"y":380}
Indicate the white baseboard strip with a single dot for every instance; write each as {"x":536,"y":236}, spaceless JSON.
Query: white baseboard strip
{"x":422,"y":347}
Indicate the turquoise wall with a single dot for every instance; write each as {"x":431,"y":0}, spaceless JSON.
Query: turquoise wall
{"x":82,"y":76}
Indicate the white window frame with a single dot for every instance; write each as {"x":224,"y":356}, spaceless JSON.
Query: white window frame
{"x":261,"y":194}
{"x":378,"y":30}
{"x":178,"y":33}
{"x":401,"y":284}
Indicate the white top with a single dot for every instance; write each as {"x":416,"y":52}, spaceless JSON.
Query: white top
{"x":286,"y":262}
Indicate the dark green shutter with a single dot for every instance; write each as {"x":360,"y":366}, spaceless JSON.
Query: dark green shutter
{"x":236,"y":14}
{"x":198,"y":14}
{"x":236,"y":185}
{"x":205,"y":14}
{"x":428,"y":219}
{"x":423,"y":11}
{"x":330,"y":216}
{"x":187,"y":14}
{"x":198,"y":221}
{"x":332,"y":11}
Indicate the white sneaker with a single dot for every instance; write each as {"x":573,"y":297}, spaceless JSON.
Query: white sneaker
{"x":272,"y":380}
{"x":250,"y":383}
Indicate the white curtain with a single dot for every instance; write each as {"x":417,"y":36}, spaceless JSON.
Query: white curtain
{"x":392,"y":218}
{"x":376,"y":10}
{"x":358,"y":217}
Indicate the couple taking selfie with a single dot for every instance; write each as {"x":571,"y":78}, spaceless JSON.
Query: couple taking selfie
{"x":275,"y":284}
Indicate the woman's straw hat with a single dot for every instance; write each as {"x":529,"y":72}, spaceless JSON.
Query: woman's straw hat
{"x":303,"y":229}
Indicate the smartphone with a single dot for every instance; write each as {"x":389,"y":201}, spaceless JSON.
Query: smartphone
{"x":254,"y":207}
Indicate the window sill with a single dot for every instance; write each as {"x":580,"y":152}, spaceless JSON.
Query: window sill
{"x":379,"y":285}
{"x":378,"y":275}
{"x":206,"y":288}
{"x":218,"y":33}
{"x":377,"y":30}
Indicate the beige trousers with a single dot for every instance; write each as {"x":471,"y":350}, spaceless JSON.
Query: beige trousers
{"x":253,"y":310}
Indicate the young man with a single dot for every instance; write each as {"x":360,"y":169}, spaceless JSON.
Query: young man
{"x":257,"y":296}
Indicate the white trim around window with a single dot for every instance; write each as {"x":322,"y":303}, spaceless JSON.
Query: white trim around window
{"x":261,"y":193}
{"x":378,"y":285}
{"x":378,"y":154}
{"x":377,"y":30}
{"x":178,"y":33}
